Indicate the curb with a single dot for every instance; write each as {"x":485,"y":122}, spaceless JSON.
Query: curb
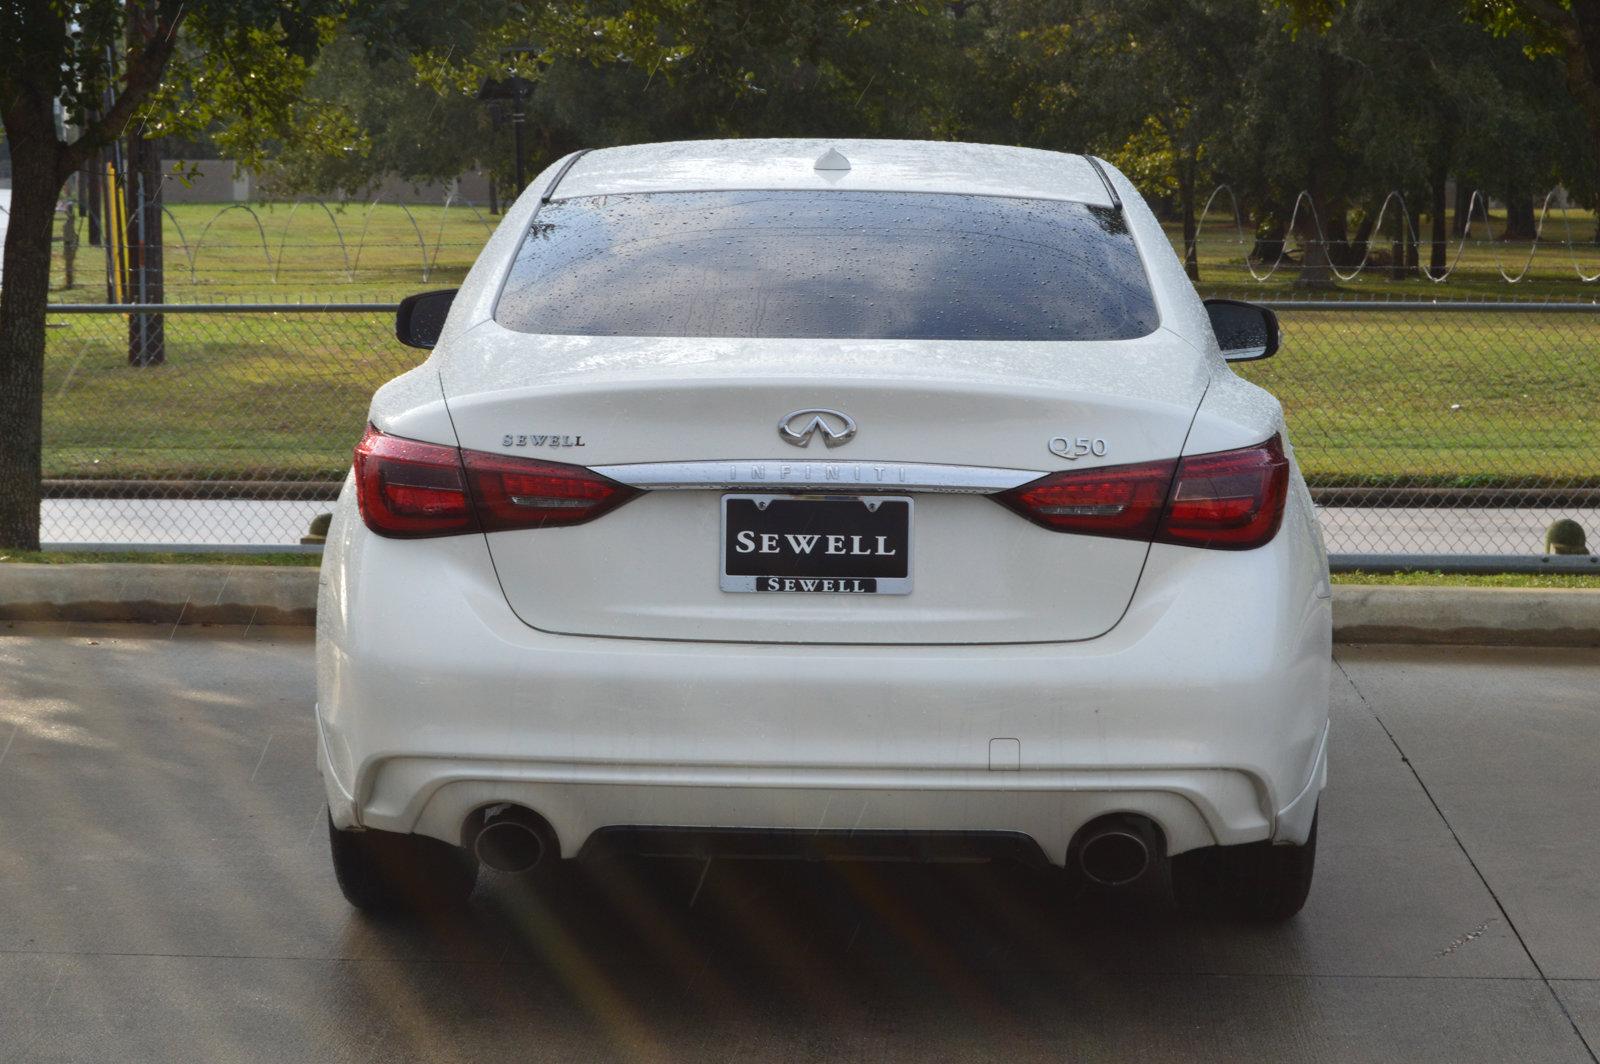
{"x":287,"y":595}
{"x":1479,"y":616}
{"x":159,"y":594}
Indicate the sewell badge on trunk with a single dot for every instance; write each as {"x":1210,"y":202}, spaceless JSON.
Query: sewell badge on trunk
{"x":818,"y":544}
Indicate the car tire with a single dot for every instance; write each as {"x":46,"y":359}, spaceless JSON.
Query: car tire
{"x":385,"y":872}
{"x":1257,"y":881}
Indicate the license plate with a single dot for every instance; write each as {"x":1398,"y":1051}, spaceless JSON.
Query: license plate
{"x":817,"y":544}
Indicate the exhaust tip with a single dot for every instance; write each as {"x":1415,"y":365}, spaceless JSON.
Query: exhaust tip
{"x":1116,"y":850}
{"x":509,"y":838}
{"x":1114,"y":858}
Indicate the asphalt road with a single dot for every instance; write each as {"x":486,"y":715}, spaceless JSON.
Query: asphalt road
{"x":167,"y":897}
{"x":1348,"y":530}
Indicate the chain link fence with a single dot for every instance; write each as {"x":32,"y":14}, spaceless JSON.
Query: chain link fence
{"x":1448,"y":434}
{"x":236,"y":431}
{"x":1461,"y":431}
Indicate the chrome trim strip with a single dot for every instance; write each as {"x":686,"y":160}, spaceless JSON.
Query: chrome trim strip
{"x":732,"y":473}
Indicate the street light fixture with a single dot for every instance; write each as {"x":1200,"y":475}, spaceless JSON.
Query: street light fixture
{"x":517,"y":90}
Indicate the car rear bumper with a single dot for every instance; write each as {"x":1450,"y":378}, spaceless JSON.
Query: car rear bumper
{"x":1205,"y":709}
{"x":1194,"y":808}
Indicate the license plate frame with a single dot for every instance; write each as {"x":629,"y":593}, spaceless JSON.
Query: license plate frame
{"x":888,"y":580}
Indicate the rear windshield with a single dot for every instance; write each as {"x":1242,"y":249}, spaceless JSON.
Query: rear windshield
{"x":828,"y":265}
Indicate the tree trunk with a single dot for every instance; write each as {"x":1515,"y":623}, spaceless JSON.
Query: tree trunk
{"x":1436,"y":255}
{"x":1578,"y":30}
{"x":1520,"y":222}
{"x":1317,"y":237}
{"x":1359,"y":245}
{"x":69,"y":246}
{"x":1187,"y":170}
{"x":41,"y":164}
{"x":1324,"y":222}
{"x":91,"y":197}
{"x":23,"y":300}
{"x":1316,"y":269}
{"x":1270,"y":238}
{"x":1405,"y":249}
{"x":1413,"y":242}
{"x":1337,"y":221}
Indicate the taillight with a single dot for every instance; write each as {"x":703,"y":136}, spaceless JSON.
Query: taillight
{"x":521,"y":493}
{"x":409,"y":489}
{"x":1228,"y":500}
{"x":1121,"y":501}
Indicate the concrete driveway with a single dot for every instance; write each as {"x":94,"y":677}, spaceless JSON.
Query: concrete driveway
{"x":167,"y":897}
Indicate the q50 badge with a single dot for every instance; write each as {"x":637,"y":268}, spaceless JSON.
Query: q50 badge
{"x":1073,"y":448}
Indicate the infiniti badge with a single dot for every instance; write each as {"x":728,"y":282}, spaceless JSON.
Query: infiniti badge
{"x":798,"y":428}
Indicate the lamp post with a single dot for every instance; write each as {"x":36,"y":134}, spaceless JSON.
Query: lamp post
{"x":516,"y":90}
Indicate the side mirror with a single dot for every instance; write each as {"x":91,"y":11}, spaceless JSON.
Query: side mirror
{"x":1245,"y":332}
{"x":420,"y":319}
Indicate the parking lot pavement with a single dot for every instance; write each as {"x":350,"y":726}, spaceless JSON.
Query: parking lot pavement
{"x":168,"y":897}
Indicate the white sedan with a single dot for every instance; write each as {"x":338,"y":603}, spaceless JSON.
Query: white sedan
{"x":830,"y":498}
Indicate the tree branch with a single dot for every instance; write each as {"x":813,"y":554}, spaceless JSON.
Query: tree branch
{"x":1560,"y":19}
{"x":145,"y":68}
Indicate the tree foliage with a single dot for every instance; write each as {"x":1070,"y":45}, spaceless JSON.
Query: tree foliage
{"x":1344,"y":99}
{"x":1348,"y":99}
{"x":1567,"y":29}
{"x":75,"y":77}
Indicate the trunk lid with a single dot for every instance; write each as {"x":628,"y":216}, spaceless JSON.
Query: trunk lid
{"x":979,"y":573}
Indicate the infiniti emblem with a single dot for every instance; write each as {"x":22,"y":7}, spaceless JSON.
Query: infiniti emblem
{"x":798,"y":428}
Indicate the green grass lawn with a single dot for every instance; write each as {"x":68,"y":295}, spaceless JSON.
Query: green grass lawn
{"x":353,"y":252}
{"x":1455,"y":398}
{"x":1371,"y":397}
{"x":298,"y":253}
{"x":1435,"y":579}
{"x":266,"y":396}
